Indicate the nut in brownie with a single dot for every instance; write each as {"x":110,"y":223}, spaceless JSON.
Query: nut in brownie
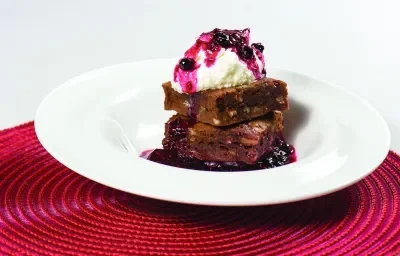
{"x":227,"y":106}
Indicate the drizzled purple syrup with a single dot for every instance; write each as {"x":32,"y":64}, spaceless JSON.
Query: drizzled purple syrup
{"x":211,"y":43}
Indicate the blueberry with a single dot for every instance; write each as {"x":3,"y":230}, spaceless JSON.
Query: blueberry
{"x":222,"y":39}
{"x":281,"y":156}
{"x":280,"y":163}
{"x":186,"y":64}
{"x":211,"y":164}
{"x":236,"y":39}
{"x":286,"y":148}
{"x":246,"y":52}
{"x":258,"y":46}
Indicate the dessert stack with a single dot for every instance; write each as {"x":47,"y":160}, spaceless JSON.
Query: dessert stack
{"x":228,"y":113}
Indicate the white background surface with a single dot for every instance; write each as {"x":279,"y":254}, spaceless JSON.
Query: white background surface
{"x":352,"y":43}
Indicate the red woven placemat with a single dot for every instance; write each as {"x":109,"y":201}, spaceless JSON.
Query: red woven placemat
{"x":46,"y":209}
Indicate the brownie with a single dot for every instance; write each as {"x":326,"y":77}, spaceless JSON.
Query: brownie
{"x":227,"y":106}
{"x":243,"y":142}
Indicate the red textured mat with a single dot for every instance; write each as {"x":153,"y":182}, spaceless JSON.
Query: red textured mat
{"x":46,"y":209}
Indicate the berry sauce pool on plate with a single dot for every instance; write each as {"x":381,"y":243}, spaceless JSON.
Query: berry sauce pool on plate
{"x":282,"y":154}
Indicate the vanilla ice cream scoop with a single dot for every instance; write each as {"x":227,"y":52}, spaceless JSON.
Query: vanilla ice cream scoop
{"x":219,"y":59}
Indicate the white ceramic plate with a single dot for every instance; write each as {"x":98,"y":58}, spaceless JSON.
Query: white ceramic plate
{"x":339,"y":138}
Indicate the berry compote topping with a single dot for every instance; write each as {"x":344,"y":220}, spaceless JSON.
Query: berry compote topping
{"x":210,"y":44}
{"x":282,"y":154}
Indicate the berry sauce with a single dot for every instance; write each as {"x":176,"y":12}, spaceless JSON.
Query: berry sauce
{"x":210,"y":44}
{"x":176,"y":152}
{"x":282,"y":154}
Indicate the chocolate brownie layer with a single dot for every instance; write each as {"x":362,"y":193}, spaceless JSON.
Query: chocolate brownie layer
{"x":227,"y":106}
{"x":244,"y":142}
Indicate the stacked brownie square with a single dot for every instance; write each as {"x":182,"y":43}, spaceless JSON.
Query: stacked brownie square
{"x":239,"y":125}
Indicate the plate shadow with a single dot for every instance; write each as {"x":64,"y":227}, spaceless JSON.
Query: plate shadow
{"x":294,"y":119}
